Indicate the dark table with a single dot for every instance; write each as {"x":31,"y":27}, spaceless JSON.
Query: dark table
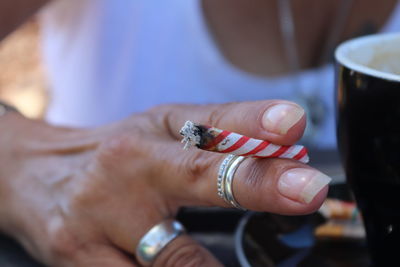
{"x":12,"y":254}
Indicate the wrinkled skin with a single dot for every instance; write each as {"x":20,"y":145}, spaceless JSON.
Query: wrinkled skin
{"x":77,"y":197}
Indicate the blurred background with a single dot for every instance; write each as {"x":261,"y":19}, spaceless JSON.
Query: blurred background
{"x":22,"y":79}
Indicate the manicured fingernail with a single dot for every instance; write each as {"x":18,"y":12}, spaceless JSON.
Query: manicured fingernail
{"x":302,"y":185}
{"x":280,"y":118}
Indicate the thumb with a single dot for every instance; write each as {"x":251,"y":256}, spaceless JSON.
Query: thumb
{"x":184,"y":251}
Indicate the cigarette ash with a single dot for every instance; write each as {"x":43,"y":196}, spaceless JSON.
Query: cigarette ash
{"x":196,"y":135}
{"x":191,"y":135}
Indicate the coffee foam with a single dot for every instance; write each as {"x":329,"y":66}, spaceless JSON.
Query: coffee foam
{"x":376,"y":55}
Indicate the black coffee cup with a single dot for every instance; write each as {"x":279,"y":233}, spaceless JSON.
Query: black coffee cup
{"x":368,"y":132}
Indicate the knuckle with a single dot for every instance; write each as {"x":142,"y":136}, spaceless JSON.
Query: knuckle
{"x":142,"y":123}
{"x":254,"y":180}
{"x":264,"y":173}
{"x":90,"y":190}
{"x":121,"y":147}
{"x":90,"y":193}
{"x":62,"y":243}
{"x":190,"y":255}
{"x":197,"y":164}
{"x":217,"y":113}
{"x":259,"y":183}
{"x":159,"y":109}
{"x":254,"y":175}
{"x":118,"y":145}
{"x":161,"y":116}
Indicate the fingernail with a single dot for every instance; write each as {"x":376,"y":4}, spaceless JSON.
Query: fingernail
{"x":280,"y":118}
{"x":302,"y":185}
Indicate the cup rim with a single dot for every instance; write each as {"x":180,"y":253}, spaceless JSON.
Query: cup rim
{"x":356,"y":42}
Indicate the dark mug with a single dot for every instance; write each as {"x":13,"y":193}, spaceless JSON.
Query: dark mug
{"x":368,"y":132}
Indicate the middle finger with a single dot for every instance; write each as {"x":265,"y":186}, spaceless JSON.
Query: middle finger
{"x":281,"y":186}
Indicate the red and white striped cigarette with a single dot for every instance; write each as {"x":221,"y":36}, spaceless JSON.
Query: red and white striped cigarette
{"x":221,"y":141}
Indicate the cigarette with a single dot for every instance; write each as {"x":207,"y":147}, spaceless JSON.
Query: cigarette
{"x":340,"y":230}
{"x":339,"y":209}
{"x":213,"y":139}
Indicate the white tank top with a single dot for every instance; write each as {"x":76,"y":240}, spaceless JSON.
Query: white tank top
{"x":107,"y":59}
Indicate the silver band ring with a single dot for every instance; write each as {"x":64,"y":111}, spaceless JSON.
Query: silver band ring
{"x":156,"y":239}
{"x":226,"y":174}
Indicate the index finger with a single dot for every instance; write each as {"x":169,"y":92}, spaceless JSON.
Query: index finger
{"x":281,"y":122}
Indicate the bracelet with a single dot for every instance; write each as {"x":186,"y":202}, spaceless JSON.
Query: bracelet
{"x":5,"y":108}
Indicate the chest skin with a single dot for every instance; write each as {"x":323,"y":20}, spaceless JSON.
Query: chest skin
{"x":248,"y":32}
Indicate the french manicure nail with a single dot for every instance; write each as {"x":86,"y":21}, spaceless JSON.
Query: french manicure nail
{"x":301,"y":184}
{"x":280,"y":118}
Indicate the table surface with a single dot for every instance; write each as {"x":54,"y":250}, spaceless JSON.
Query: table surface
{"x":212,"y":227}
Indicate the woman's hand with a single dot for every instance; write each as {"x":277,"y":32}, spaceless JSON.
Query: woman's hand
{"x":86,"y":197}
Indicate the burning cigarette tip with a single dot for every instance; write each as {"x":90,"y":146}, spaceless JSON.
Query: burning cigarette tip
{"x":191,"y":135}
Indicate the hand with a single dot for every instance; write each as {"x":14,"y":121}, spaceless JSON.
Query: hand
{"x":86,"y":197}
